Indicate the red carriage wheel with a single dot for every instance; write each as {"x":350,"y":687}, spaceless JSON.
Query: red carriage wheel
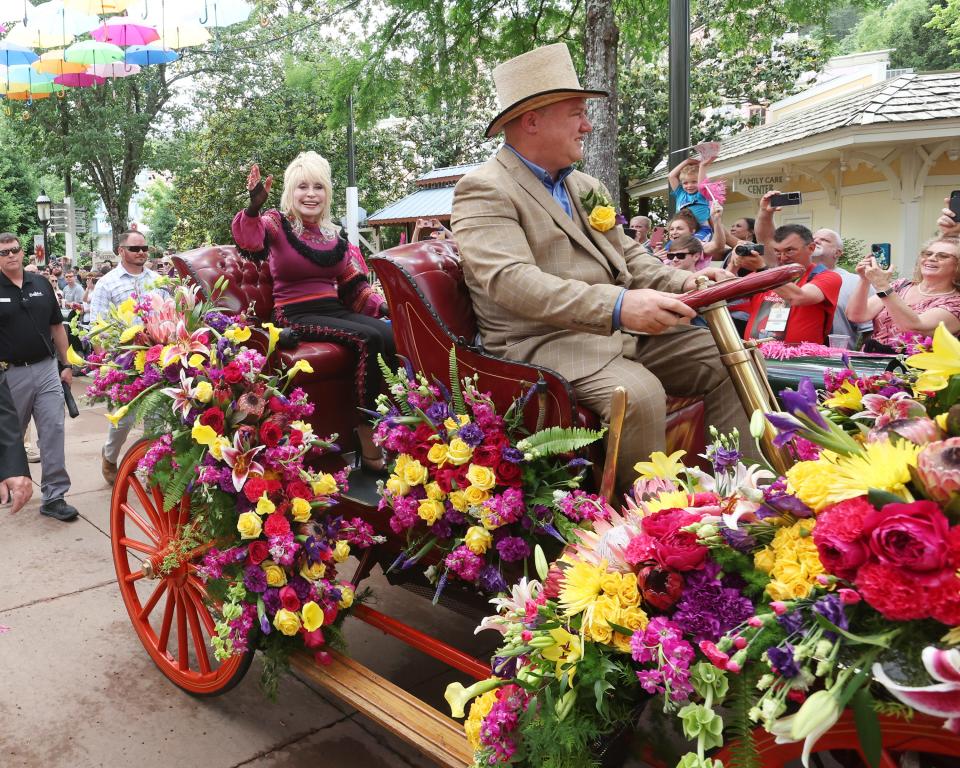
{"x":169,"y":610}
{"x":920,"y":735}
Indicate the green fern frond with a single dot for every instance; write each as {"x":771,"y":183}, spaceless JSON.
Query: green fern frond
{"x":177,"y":486}
{"x":456,"y":393}
{"x":151,"y":407}
{"x":555,"y":440}
{"x":743,"y":747}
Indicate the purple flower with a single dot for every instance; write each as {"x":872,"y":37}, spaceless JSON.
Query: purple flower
{"x":271,"y":600}
{"x":782,"y":661}
{"x":739,"y":539}
{"x":491,"y":580}
{"x":513,"y":548}
{"x":787,"y":428}
{"x":725,"y":458}
{"x":792,"y":623}
{"x":709,"y":608}
{"x":803,"y":402}
{"x":437,"y":413}
{"x":831,"y":609}
{"x":254,"y":578}
{"x":471,"y":434}
{"x":511,"y":454}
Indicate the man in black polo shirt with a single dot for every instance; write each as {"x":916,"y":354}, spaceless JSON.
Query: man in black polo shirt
{"x":32,"y":340}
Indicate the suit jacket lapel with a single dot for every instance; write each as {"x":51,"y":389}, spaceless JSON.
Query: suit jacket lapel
{"x":613,"y":257}
{"x":522,"y":175}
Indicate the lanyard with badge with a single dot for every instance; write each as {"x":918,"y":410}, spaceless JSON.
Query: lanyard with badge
{"x":773,"y":314}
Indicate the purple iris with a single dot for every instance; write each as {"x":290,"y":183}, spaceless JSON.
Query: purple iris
{"x":782,"y":661}
{"x":803,"y":402}
{"x":787,"y":428}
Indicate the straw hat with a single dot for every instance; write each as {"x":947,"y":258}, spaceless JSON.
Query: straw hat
{"x":535,"y":79}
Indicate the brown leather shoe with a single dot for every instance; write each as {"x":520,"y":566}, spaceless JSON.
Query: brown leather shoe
{"x":109,"y":470}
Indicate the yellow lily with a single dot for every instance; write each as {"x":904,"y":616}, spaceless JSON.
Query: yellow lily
{"x":849,"y":397}
{"x":942,"y":362}
{"x":661,"y":466}
{"x":566,"y":652}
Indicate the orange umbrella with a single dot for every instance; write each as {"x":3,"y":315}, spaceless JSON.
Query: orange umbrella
{"x":27,"y":96}
{"x":52,"y":63}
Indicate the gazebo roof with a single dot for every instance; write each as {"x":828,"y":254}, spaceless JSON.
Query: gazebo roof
{"x":433,"y":201}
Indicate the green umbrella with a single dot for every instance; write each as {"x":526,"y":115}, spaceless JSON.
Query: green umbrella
{"x":93,"y":52}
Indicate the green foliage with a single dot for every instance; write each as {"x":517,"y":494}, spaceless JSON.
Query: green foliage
{"x":739,"y":732}
{"x":177,"y":485}
{"x":456,"y":393}
{"x":159,"y":216}
{"x":853,"y":250}
{"x":914,"y":29}
{"x":557,"y":440}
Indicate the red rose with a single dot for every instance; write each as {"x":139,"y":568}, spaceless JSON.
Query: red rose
{"x":666,"y":521}
{"x":839,"y":539}
{"x":295,"y":437}
{"x":276,"y":405}
{"x":299,"y":489}
{"x":509,"y":474}
{"x":258,"y":551}
{"x":680,"y":551}
{"x":254,"y":488}
{"x":911,"y":537}
{"x":445,"y":477}
{"x":313,"y":639}
{"x":270,"y":433}
{"x":892,"y":592}
{"x":330,"y":615}
{"x":232,"y":373}
{"x":460,"y":475}
{"x":276,"y":525}
{"x":486,"y":455}
{"x":944,"y":601}
{"x":289,"y":599}
{"x":213,"y":418}
{"x":660,"y":588}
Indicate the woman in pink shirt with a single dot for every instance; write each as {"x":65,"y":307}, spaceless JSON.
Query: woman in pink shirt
{"x":320,"y":286}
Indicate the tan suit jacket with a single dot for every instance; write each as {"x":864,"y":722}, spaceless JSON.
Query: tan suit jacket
{"x":544,"y":285}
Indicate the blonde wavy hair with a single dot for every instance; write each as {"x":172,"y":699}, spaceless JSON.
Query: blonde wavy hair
{"x":309,"y":167}
{"x":955,"y":242}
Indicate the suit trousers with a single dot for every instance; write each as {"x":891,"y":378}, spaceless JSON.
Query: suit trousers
{"x":37,"y":393}
{"x":684,"y":362}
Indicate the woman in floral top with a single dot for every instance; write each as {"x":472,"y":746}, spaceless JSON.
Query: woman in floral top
{"x":320,"y":283}
{"x":910,"y":306}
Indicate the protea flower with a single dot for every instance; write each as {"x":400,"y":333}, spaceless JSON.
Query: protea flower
{"x":920,"y":431}
{"x":251,"y":404}
{"x":938,"y":466}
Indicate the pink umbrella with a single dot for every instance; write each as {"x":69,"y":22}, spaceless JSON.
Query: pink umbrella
{"x":116,"y":69}
{"x":122,"y":30}
{"x":79,"y":80}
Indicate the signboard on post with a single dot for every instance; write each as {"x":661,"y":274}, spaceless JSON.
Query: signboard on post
{"x":39,"y":255}
{"x":758,"y":184}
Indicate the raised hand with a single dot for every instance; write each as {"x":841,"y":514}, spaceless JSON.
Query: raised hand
{"x":647,"y":311}
{"x":258,"y":188}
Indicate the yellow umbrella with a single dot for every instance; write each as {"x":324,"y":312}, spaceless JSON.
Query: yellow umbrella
{"x":183,"y":34}
{"x":96,"y":7}
{"x":40,"y":37}
{"x":52,"y":63}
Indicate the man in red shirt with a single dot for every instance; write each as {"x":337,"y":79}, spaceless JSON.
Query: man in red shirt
{"x":801,"y":311}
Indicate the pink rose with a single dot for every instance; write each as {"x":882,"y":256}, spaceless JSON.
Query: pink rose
{"x":680,"y":551}
{"x":839,"y":536}
{"x":153,"y":354}
{"x":911,"y":537}
{"x":313,"y":639}
{"x":659,"y":524}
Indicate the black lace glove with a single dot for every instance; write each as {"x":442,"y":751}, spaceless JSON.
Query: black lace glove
{"x":258,"y":196}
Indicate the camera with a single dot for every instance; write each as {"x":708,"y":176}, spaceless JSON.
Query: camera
{"x":744,"y":249}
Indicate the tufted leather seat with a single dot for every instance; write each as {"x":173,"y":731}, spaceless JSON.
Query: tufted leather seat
{"x":249,"y":288}
{"x":432,"y":311}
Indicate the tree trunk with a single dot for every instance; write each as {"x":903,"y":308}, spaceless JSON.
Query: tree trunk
{"x":601,"y":40}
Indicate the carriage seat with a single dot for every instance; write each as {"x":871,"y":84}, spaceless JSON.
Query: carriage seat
{"x":432,"y":311}
{"x":249,"y":288}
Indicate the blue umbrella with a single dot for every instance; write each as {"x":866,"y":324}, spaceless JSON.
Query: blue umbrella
{"x":153,"y":53}
{"x":12,"y":54}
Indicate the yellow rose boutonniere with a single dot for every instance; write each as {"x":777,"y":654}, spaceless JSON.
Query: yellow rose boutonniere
{"x":603,"y":216}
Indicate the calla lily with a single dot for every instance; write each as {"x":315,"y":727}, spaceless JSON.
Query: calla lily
{"x":458,"y":697}
{"x":939,"y":364}
{"x":941,"y":699}
{"x":818,"y":714}
{"x":241,"y":461}
{"x":274,"y":337}
{"x":118,"y":414}
{"x":73,"y":358}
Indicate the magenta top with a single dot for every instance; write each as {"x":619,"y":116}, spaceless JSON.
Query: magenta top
{"x":884,"y":327}
{"x":297,"y":278}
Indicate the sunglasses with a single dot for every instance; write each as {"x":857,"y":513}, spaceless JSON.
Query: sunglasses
{"x":136,"y":248}
{"x":676,"y":254}
{"x":11,"y":251}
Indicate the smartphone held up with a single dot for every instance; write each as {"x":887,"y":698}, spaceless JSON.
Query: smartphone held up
{"x":881,"y":252}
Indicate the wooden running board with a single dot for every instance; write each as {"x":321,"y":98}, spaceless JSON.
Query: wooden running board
{"x":433,"y":734}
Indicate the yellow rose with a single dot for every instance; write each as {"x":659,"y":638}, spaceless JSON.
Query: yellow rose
{"x":203,"y":434}
{"x":621,"y":643}
{"x":402,"y":460}
{"x":203,"y":392}
{"x":139,"y":360}
{"x":459,"y":501}
{"x":438,"y":454}
{"x":415,"y":473}
{"x":459,"y":452}
{"x":633,"y":618}
{"x":450,"y":425}
{"x":789,"y":590}
{"x":249,"y":525}
{"x":325,"y":485}
{"x":287,"y":622}
{"x":430,"y":510}
{"x":600,"y":632}
{"x":300,"y":509}
{"x":276,"y":576}
{"x":129,"y":333}
{"x":629,"y":592}
{"x":346,"y":596}
{"x":764,"y":560}
{"x":434,"y":492}
{"x":397,"y":486}
{"x":477,"y":539}
{"x":312,"y":616}
{"x":481,"y":477}
{"x":610,"y":583}
{"x":603,"y":218}
{"x":475,"y":496}
{"x":342,"y":551}
{"x":217,"y":446}
{"x":313,"y":571}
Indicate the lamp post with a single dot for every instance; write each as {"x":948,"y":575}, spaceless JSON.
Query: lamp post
{"x":43,"y":216}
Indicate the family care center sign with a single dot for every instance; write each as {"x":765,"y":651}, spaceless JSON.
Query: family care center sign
{"x":757,"y":185}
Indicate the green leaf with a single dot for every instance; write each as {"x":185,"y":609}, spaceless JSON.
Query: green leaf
{"x":882,"y":640}
{"x":456,"y":394}
{"x":555,"y":440}
{"x":880,"y":498}
{"x":868,"y":726}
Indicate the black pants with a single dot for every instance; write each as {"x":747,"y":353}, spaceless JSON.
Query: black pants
{"x":329,"y":320}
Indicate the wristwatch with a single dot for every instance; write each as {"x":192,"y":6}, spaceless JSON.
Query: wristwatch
{"x":884,"y":294}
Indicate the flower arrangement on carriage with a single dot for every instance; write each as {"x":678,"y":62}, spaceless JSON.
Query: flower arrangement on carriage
{"x":232,"y":455}
{"x":787,"y":600}
{"x":475,"y":485}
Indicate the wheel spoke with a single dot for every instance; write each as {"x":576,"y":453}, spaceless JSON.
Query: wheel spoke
{"x":138,"y":546}
{"x":197,"y":598}
{"x":152,"y":602}
{"x":199,"y":644}
{"x":183,"y":660}
{"x":167,"y":621}
{"x":155,"y":513}
{"x":133,"y":576}
{"x":142,"y":524}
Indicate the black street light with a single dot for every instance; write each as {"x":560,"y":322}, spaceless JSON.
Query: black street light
{"x":43,"y":216}
{"x":679,"y":83}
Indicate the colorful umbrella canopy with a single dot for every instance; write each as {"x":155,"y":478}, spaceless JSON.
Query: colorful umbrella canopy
{"x":154,"y":53}
{"x":53,"y":63}
{"x":223,"y":13}
{"x":117,"y":69}
{"x":97,"y":7}
{"x":122,"y":30}
{"x":53,"y":16}
{"x":79,"y":80}
{"x":12,"y":54}
{"x":27,"y":95}
{"x":35,"y":88}
{"x":39,"y":36}
{"x":183,"y":34}
{"x":93,"y":52}
{"x":24,"y":73}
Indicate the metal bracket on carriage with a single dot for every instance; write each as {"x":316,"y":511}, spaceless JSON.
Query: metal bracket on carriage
{"x":742,"y":287}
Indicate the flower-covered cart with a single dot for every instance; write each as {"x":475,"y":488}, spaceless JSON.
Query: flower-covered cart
{"x":231,"y":527}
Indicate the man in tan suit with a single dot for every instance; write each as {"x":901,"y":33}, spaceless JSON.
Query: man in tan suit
{"x":551,"y":289}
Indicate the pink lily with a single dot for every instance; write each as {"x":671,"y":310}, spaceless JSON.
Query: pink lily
{"x":886,"y":409}
{"x":941,"y":699}
{"x":241,"y":461}
{"x":182,"y":395}
{"x":184,"y":344}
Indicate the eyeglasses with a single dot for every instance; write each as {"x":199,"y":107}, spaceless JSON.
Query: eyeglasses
{"x":11,"y":251}
{"x":938,"y":255}
{"x":676,"y":254}
{"x":136,"y":248}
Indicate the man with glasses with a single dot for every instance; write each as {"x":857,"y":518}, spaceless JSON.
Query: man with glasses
{"x":130,"y":278}
{"x":32,"y":341}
